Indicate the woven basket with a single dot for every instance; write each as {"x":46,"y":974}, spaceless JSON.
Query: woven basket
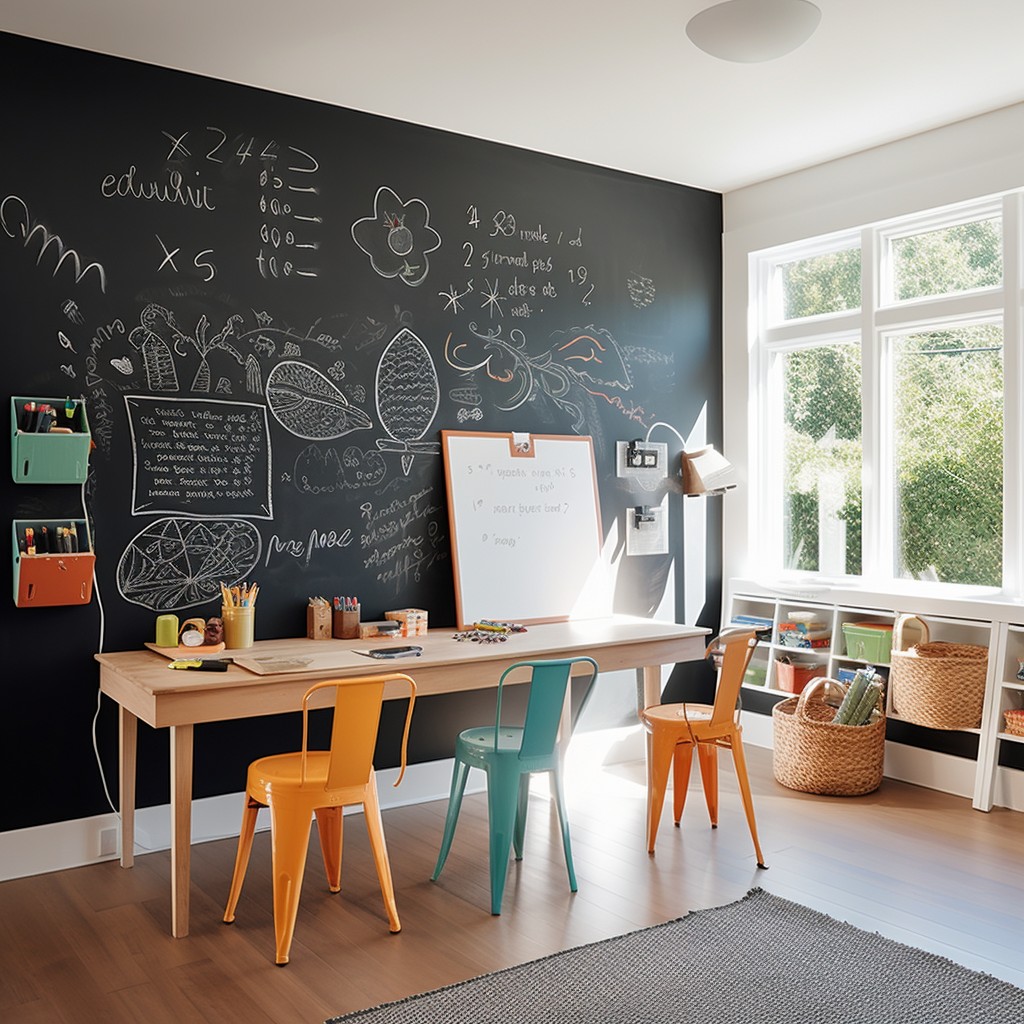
{"x":814,"y":755}
{"x":938,"y":685}
{"x":1014,"y":720}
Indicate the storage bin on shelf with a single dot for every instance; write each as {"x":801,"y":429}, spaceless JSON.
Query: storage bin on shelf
{"x":868,"y":641}
{"x":792,"y":676}
{"x":57,"y":456}
{"x":1013,"y":722}
{"x":803,"y":630}
{"x":936,"y":684}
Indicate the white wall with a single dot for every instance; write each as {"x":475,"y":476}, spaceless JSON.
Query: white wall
{"x":972,"y":158}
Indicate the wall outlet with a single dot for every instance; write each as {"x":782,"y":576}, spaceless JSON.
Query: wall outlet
{"x":108,"y":842}
{"x":641,"y":460}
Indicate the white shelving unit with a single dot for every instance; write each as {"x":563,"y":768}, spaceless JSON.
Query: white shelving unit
{"x":995,"y":629}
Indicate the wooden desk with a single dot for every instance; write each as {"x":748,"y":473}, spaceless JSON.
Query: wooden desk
{"x":145,"y":690}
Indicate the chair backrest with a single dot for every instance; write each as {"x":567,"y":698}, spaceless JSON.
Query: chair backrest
{"x":357,"y":706}
{"x":548,"y":683}
{"x":737,"y":647}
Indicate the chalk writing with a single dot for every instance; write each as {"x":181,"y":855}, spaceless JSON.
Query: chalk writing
{"x":302,"y":550}
{"x":174,"y":190}
{"x":199,"y":456}
{"x":323,"y":471}
{"x":403,"y":538}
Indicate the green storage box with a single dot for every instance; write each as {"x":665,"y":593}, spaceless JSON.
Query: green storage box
{"x":868,"y":641}
{"x":45,"y":458}
{"x":756,"y":674}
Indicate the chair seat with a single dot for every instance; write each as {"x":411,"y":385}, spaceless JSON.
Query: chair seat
{"x":283,"y":771}
{"x":675,"y":712}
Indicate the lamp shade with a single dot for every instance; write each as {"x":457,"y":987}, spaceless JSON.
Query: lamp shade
{"x":706,"y":472}
{"x":751,"y":31}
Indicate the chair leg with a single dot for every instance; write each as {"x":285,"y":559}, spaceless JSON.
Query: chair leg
{"x":660,"y":751}
{"x":375,"y":828}
{"x":563,"y":820}
{"x":459,"y":776}
{"x":521,"y":808}
{"x":707,"y":755}
{"x":682,"y":761}
{"x":289,"y":831}
{"x":740,"y":761}
{"x":502,"y":800}
{"x":330,"y":826}
{"x":245,"y":836}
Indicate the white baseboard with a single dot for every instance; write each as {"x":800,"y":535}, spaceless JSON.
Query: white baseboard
{"x":69,"y":844}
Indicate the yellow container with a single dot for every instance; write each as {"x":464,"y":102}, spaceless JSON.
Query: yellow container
{"x":238,"y":626}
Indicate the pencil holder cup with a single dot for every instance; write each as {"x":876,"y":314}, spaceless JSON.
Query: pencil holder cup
{"x":167,"y":631}
{"x":345,"y":625}
{"x":238,"y":626}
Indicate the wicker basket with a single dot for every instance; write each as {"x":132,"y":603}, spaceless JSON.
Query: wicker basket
{"x":814,"y":755}
{"x":1014,"y":721}
{"x":938,"y":685}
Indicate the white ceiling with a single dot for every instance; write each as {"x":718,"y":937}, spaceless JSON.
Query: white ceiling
{"x":610,"y":82}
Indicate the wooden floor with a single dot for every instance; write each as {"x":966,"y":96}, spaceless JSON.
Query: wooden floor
{"x":92,"y":944}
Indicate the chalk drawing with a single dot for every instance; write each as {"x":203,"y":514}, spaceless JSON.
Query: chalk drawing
{"x":307,"y":404}
{"x":323,"y":471}
{"x":178,"y":563}
{"x":407,"y":394}
{"x":397,"y":237}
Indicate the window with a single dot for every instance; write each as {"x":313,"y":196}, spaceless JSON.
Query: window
{"x":880,"y":432}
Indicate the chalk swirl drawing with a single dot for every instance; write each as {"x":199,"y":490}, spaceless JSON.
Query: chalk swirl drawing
{"x":397,"y":237}
{"x":177,"y":563}
{"x":307,"y":404}
{"x":587,"y":357}
{"x":323,"y":471}
{"x":408,"y":394}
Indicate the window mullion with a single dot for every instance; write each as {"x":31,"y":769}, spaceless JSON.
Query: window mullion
{"x":875,"y":488}
{"x":1013,"y":393}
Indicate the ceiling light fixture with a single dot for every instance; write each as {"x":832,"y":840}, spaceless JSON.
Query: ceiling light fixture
{"x":751,"y":31}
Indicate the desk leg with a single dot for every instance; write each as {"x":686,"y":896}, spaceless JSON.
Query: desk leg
{"x":128,"y":732}
{"x":181,"y":826}
{"x":648,"y":687}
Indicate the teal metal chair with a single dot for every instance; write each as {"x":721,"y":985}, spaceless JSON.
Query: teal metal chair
{"x":509,"y":755}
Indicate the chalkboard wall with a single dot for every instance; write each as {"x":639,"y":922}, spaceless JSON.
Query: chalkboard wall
{"x":272,"y":307}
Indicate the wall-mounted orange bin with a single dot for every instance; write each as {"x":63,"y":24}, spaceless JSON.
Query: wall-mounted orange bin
{"x":59,"y":578}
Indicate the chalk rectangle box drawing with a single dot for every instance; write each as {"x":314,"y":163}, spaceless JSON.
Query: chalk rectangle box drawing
{"x":199,"y":456}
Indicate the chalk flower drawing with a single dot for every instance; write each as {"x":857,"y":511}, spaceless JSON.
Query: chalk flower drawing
{"x":178,"y":563}
{"x":397,"y":237}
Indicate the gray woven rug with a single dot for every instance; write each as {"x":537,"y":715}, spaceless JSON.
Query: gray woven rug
{"x":762,"y":960}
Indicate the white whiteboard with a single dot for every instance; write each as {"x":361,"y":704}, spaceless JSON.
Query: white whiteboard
{"x":525,"y":527}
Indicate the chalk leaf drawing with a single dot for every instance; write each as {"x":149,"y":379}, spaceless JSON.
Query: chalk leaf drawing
{"x":397,"y":237}
{"x":592,"y":356}
{"x":323,"y":471}
{"x":408,"y":394}
{"x":307,"y":404}
{"x":178,"y":563}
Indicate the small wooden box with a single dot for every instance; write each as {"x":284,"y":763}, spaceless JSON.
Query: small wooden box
{"x":413,"y":620}
{"x":318,"y":621}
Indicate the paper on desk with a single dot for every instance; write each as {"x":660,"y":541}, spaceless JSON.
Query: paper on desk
{"x":271,"y":664}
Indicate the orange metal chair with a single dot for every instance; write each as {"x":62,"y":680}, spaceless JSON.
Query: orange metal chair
{"x":321,"y":782}
{"x":676,"y":730}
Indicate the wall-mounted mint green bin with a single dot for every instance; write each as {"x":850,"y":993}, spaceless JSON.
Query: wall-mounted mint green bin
{"x":50,"y":458}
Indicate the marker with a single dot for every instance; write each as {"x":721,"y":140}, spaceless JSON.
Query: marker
{"x":44,"y":541}
{"x":30,"y":541}
{"x":199,"y":665}
{"x":74,"y":538}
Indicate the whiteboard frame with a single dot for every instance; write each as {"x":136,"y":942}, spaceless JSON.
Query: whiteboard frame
{"x":520,"y":446}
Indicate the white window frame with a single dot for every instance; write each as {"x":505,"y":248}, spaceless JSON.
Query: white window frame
{"x":879,"y":318}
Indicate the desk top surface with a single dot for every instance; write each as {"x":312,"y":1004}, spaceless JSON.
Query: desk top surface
{"x":141,"y":681}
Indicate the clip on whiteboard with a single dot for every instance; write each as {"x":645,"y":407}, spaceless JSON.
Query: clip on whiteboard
{"x":521,"y":444}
